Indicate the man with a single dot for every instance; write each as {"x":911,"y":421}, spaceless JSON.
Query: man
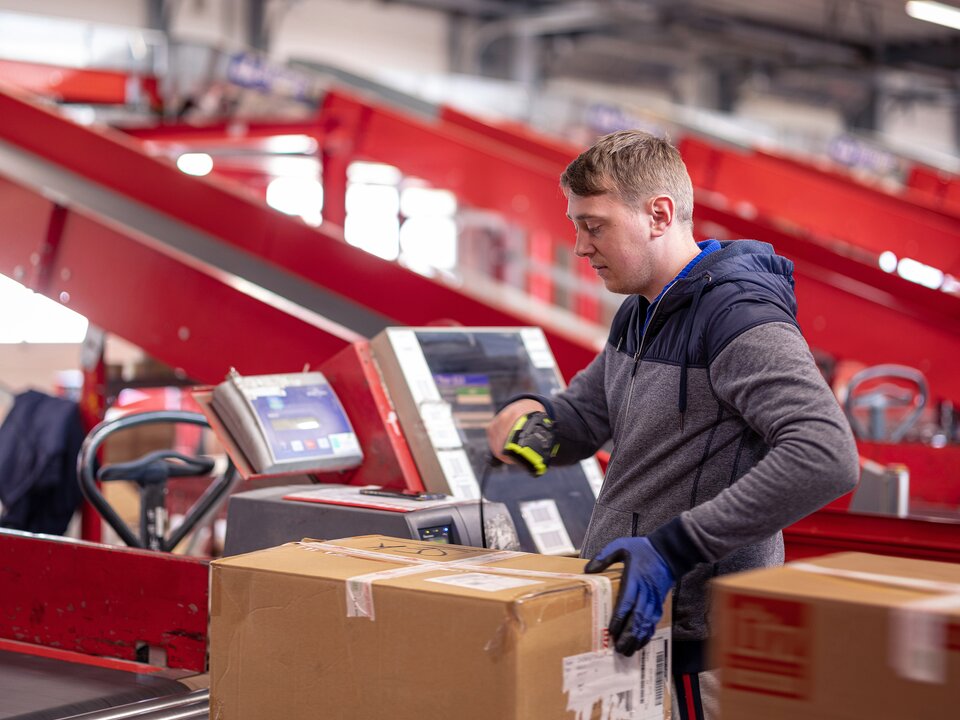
{"x":723,"y":430}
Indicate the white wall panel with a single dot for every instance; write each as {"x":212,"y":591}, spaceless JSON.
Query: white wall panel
{"x":114,"y":12}
{"x":363,"y":36}
{"x":931,"y":126}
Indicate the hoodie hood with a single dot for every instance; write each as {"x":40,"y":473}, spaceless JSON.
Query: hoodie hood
{"x":738,"y":261}
{"x":751,"y":263}
{"x":721,"y":291}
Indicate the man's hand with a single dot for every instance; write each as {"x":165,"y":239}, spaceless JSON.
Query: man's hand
{"x":645,"y":583}
{"x":499,"y":428}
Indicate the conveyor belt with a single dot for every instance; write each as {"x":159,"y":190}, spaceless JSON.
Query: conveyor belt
{"x":40,"y":688}
{"x":181,"y":707}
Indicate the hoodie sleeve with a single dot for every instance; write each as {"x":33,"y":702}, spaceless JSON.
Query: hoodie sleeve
{"x":583,"y":424}
{"x":768,"y":376}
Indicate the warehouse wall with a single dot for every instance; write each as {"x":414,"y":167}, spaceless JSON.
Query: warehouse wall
{"x":35,"y":365}
{"x":364,"y":36}
{"x":931,"y":126}
{"x":114,"y":12}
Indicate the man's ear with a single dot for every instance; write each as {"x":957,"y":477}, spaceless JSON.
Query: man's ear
{"x":661,"y":209}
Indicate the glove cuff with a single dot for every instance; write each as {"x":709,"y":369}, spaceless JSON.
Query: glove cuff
{"x":677,"y":548}
{"x":542,"y":399}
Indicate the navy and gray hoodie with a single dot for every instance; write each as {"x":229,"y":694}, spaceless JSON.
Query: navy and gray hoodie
{"x":724,"y":431}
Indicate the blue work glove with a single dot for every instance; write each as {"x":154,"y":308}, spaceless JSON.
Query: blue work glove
{"x":645,"y":583}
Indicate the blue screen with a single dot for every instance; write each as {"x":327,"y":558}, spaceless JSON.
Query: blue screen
{"x":307,"y":422}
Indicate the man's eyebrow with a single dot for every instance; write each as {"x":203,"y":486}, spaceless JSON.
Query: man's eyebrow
{"x":585,"y":216}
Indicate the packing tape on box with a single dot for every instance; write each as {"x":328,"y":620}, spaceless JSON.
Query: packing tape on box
{"x":359,"y":588}
{"x":919,"y":630}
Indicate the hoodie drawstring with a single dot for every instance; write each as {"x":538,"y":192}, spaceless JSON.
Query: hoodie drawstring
{"x":682,"y":402}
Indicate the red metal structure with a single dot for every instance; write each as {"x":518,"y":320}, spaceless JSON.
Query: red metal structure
{"x":148,"y":253}
{"x":832,"y":530}
{"x":167,"y":219}
{"x":940,"y":189}
{"x":844,"y":296}
{"x":848,"y":305}
{"x":825,"y":203}
{"x":82,"y":85}
{"x":104,"y":601}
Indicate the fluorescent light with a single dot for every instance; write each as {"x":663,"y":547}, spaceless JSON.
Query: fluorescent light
{"x":419,"y":202}
{"x":379,"y":235}
{"x":934,"y":12}
{"x":291,"y":144}
{"x":373,"y":173}
{"x":198,"y":164}
{"x":297,"y":196}
{"x":429,"y":242}
{"x":888,"y":262}
{"x":919,"y":273}
{"x":373,"y":200}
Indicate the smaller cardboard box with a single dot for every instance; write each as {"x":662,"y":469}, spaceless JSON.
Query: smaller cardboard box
{"x":849,"y":636}
{"x":378,"y":627}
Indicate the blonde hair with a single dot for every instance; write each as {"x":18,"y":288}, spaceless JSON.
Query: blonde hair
{"x":636,"y":166}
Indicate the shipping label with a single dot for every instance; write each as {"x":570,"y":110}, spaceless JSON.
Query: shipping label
{"x":626,"y":688}
{"x":546,"y":527}
{"x":484,"y":582}
{"x":768,"y":646}
{"x":920,"y":638}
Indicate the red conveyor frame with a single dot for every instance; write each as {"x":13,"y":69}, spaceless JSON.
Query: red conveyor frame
{"x":64,"y":246}
{"x":61,"y":246}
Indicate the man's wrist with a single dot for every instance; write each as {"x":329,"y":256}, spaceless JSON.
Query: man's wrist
{"x":676,"y":547}
{"x":542,"y":399}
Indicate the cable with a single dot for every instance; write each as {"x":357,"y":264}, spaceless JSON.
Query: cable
{"x":490,"y":462}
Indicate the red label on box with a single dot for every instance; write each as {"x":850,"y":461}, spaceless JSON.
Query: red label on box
{"x":768,"y":646}
{"x":953,"y":637}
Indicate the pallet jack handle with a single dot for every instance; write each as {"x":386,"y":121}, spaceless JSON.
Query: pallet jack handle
{"x":150,"y":473}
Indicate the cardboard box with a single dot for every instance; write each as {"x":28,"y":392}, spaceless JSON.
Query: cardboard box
{"x":844,"y":637}
{"x":428,"y":630}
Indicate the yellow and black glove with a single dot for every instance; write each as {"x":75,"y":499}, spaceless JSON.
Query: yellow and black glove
{"x":532,"y":443}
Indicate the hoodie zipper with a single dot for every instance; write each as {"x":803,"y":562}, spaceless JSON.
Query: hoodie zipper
{"x":636,"y":358}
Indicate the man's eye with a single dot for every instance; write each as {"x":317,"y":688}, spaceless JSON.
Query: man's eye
{"x":593,"y":230}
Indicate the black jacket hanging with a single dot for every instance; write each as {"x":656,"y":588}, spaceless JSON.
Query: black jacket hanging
{"x":39,"y":443}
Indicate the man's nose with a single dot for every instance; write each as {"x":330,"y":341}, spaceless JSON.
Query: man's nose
{"x":582,"y":246}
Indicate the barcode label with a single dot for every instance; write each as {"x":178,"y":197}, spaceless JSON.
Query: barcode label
{"x":414,"y":366}
{"x":660,"y":674}
{"x":541,"y":515}
{"x":627,"y":688}
{"x":643,"y":675}
{"x":654,"y":688}
{"x":460,"y":478}
{"x":546,"y":527}
{"x":537,"y":349}
{"x":553,"y":540}
{"x":438,"y":421}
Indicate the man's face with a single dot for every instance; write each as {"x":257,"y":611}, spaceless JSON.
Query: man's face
{"x":615,"y":238}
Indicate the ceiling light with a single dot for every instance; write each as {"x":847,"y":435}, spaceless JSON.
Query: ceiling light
{"x":919,"y":273}
{"x":888,"y":262}
{"x":198,"y":164}
{"x":934,"y":12}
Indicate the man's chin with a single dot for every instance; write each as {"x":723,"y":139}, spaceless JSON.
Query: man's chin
{"x":615,"y":287}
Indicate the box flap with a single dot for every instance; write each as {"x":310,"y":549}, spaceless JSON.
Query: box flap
{"x":416,"y":562}
{"x":859,"y":578}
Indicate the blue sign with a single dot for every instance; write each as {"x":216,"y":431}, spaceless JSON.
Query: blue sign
{"x":254,"y":71}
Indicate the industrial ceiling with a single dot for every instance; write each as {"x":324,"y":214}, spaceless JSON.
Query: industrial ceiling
{"x":852,"y":55}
